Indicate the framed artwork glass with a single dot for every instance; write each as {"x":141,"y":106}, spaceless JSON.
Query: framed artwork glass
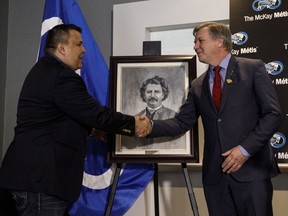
{"x":154,"y":86}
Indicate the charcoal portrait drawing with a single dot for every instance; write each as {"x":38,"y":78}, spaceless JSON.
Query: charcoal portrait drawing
{"x":156,"y":92}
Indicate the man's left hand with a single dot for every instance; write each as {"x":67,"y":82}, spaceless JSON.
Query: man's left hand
{"x":234,"y":160}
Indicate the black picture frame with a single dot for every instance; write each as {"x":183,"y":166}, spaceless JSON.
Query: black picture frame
{"x":127,"y":74}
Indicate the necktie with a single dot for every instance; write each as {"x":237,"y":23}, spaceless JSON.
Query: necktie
{"x":217,"y":88}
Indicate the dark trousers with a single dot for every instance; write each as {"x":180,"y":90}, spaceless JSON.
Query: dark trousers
{"x":232,"y":198}
{"x":7,"y":206}
{"x":38,"y":204}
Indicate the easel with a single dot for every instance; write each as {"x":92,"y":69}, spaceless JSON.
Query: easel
{"x":151,"y":48}
{"x":113,"y":190}
{"x":188,"y":185}
{"x":156,"y":194}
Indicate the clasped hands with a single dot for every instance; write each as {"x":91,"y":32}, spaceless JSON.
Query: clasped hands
{"x":143,"y":126}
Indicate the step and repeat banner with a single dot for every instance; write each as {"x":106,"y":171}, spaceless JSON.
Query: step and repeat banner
{"x":260,"y":30}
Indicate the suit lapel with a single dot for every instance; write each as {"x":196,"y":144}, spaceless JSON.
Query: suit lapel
{"x":230,"y":82}
{"x":207,"y":91}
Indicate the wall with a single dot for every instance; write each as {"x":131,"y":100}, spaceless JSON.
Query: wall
{"x":23,"y":40}
{"x":3,"y":60}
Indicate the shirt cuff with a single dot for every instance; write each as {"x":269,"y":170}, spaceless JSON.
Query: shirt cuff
{"x":244,"y":152}
{"x":152,"y":123}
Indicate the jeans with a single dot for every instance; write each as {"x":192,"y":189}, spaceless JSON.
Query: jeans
{"x":38,"y":204}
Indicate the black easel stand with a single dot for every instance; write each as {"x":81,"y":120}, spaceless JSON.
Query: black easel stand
{"x":113,"y":190}
{"x":190,"y":189}
{"x":153,"y":48}
{"x":156,"y":194}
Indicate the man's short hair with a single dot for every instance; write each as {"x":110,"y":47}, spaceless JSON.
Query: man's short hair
{"x":217,"y":30}
{"x":154,"y":80}
{"x":59,"y":34}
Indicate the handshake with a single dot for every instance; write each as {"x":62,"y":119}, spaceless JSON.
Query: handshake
{"x":143,"y":126}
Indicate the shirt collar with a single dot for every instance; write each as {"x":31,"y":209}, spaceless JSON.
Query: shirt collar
{"x":51,"y":55}
{"x":151,"y":110}
{"x":224,"y":63}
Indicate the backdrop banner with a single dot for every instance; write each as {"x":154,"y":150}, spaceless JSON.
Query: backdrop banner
{"x":259,"y":30}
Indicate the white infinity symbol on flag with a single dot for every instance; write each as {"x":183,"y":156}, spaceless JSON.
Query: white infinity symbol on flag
{"x":49,"y":24}
{"x":101,"y":181}
{"x":91,"y":181}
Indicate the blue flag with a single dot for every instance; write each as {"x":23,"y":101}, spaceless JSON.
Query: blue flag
{"x":97,"y":176}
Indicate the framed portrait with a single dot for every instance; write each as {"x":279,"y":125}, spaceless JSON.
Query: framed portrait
{"x":154,"y":86}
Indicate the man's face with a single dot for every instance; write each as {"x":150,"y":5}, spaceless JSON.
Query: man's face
{"x":206,"y":47}
{"x":74,"y":50}
{"x":154,"y":95}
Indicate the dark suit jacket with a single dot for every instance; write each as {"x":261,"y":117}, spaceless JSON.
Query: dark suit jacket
{"x":249,"y":116}
{"x":55,"y":114}
{"x":162,"y":113}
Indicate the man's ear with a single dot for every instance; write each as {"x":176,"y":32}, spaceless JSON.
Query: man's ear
{"x":61,"y":48}
{"x":220,"y":42}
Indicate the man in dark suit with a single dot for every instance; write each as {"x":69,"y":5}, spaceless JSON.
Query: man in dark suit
{"x":153,"y":92}
{"x":238,"y":162}
{"x":43,"y":166}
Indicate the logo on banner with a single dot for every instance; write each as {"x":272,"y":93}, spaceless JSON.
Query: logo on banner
{"x":259,"y":5}
{"x":274,"y":68}
{"x":278,"y":140}
{"x":239,"y":38}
